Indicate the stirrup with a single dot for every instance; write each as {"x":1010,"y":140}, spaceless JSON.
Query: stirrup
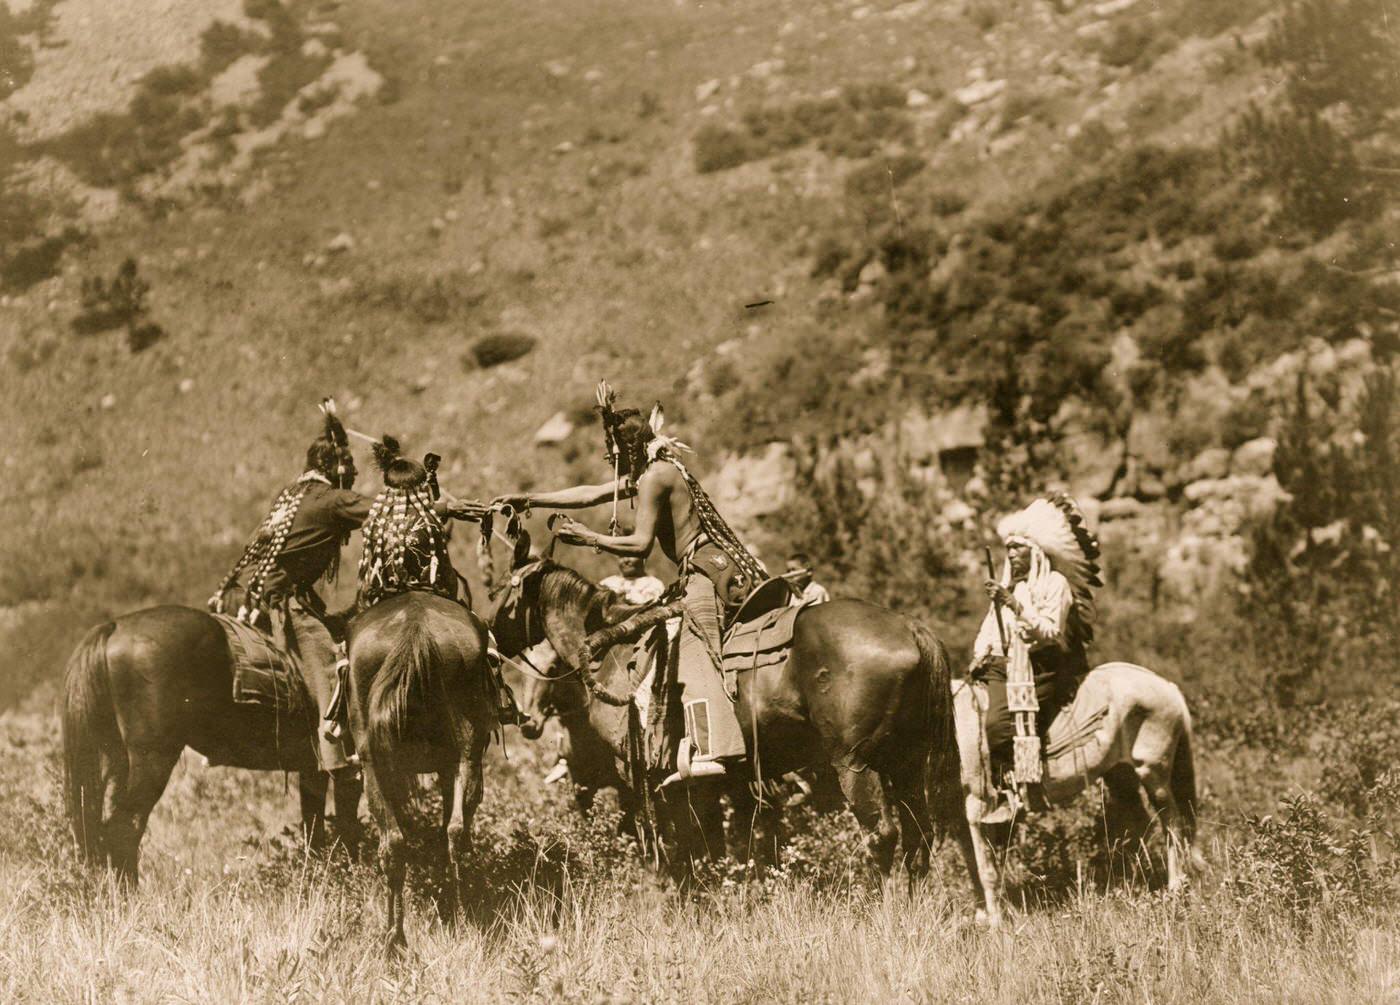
{"x":558,"y":772}
{"x":688,"y":769}
{"x":1007,"y":809}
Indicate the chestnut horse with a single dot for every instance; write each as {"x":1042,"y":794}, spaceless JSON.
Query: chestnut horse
{"x":137,"y":692}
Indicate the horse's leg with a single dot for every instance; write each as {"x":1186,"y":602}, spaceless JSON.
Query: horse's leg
{"x":915,"y":825}
{"x":387,"y":797}
{"x":758,"y":833}
{"x":1125,"y":818}
{"x":447,"y":789}
{"x":1156,"y":781}
{"x":985,"y":860}
{"x":348,"y":786}
{"x":148,"y":771}
{"x":466,"y":797}
{"x":312,"y":785}
{"x":865,"y":793}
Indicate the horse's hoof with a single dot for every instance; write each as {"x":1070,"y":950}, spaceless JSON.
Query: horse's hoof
{"x":991,"y":922}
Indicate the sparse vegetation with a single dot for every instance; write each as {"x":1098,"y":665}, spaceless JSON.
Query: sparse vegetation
{"x":1107,"y":279}
{"x":120,"y":303}
{"x":501,"y":347}
{"x":856,"y":124}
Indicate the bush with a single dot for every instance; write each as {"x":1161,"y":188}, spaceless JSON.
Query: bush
{"x":878,"y":178}
{"x":1296,"y":867}
{"x":493,"y":350}
{"x":878,"y":544}
{"x":35,"y":262}
{"x":718,"y":148}
{"x":1308,"y":162}
{"x":108,"y":305}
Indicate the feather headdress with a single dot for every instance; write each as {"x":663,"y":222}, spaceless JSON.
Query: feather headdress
{"x":334,"y":430}
{"x":1057,"y":527}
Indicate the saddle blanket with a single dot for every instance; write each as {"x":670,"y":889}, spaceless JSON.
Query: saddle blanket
{"x":763,"y":642}
{"x":264,"y":673}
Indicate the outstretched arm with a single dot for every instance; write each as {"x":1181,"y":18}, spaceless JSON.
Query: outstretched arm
{"x":578,"y":497}
{"x":651,"y":496}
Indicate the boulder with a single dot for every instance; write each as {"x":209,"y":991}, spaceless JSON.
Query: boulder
{"x":962,"y":427}
{"x":873,"y":273}
{"x":1093,"y":459}
{"x":749,"y":486}
{"x":1255,"y":457}
{"x":1197,"y":566}
{"x":341,"y":243}
{"x":1248,"y":496}
{"x":979,"y":91}
{"x":706,"y":91}
{"x":917,"y":99}
{"x":1211,"y":463}
{"x":556,"y":429}
{"x":1121,"y":508}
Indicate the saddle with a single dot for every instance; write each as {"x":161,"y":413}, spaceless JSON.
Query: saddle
{"x":265,"y":673}
{"x":760,"y":642}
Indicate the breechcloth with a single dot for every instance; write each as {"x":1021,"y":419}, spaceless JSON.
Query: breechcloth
{"x":1057,"y":674}
{"x":709,"y":714}
{"x":308,"y":637}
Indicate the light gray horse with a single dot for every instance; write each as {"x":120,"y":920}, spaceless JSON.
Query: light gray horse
{"x":1126,"y":725}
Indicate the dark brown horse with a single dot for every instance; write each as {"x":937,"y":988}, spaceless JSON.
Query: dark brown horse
{"x":420,"y":703}
{"x":141,"y":689}
{"x":864,"y":698}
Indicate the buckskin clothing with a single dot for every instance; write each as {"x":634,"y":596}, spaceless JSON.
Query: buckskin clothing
{"x":710,"y":718}
{"x":322,"y":520}
{"x":1057,"y":663}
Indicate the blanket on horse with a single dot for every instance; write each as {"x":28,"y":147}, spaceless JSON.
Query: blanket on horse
{"x":760,"y":643}
{"x":265,"y":673}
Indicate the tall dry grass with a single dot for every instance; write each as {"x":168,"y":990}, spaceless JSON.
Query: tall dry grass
{"x":231,"y":910}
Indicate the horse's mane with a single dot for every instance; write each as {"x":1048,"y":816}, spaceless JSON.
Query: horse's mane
{"x":560,"y":585}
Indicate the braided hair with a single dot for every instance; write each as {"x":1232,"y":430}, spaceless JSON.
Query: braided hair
{"x":405,"y":541}
{"x":638,"y":444}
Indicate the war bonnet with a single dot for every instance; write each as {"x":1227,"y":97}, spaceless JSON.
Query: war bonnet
{"x":1056,"y":526}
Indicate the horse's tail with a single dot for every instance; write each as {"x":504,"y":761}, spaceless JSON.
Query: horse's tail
{"x":406,"y":670}
{"x":942,"y":773}
{"x":89,"y":726}
{"x":1183,"y":780}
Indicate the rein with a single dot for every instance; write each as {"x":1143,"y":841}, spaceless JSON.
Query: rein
{"x":535,"y":671}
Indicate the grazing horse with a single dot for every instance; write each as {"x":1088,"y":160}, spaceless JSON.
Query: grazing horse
{"x":420,"y":703}
{"x":136,"y":693}
{"x":864,"y":692}
{"x":1125,"y":725}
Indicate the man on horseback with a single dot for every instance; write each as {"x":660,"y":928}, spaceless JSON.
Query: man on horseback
{"x":1044,"y":599}
{"x":405,"y":545}
{"x":297,"y":545}
{"x":716,"y":571}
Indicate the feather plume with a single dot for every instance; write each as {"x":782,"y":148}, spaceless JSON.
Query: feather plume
{"x":335,"y":432}
{"x":386,"y":451}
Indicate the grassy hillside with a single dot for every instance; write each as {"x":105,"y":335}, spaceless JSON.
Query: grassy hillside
{"x":1139,"y":235}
